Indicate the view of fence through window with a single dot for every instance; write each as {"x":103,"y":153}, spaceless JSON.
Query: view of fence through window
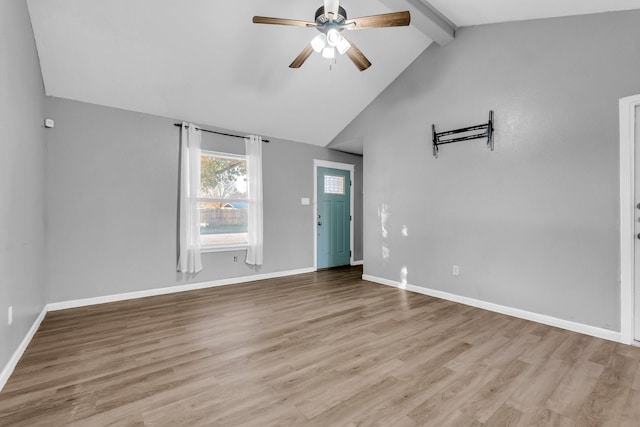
{"x":223,"y":199}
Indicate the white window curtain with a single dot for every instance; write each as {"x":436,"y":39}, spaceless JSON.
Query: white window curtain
{"x":189,"y":260}
{"x":253,"y":145}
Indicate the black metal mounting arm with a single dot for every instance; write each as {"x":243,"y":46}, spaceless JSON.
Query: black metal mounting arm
{"x":486,"y":128}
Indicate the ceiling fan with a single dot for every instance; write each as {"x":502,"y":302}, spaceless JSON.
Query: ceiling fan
{"x":331,"y":20}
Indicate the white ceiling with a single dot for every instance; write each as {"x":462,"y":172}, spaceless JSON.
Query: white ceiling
{"x":205,"y":61}
{"x":474,"y":12}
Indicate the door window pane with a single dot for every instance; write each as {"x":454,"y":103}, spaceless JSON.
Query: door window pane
{"x":333,"y":184}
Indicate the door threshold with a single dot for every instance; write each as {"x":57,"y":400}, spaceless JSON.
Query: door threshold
{"x":338,"y":267}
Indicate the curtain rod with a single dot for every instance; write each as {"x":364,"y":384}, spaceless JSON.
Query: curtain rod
{"x":218,"y":133}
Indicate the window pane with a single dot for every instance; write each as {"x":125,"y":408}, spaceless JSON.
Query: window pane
{"x":222,"y":225}
{"x":223,"y":178}
{"x":333,"y":184}
{"x":223,"y":221}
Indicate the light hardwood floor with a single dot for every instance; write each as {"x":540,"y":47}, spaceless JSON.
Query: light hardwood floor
{"x":319,"y":349}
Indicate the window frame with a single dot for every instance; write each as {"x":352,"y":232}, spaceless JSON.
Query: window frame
{"x":221,"y":247}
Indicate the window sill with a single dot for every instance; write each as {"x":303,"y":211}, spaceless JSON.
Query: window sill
{"x":225,"y":248}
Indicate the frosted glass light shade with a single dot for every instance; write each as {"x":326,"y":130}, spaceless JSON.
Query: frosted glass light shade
{"x":319,"y":42}
{"x":333,"y":37}
{"x":343,"y":46}
{"x":329,"y":52}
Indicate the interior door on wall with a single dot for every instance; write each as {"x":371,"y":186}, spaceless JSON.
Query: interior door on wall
{"x":637,"y":228}
{"x":334,"y":217}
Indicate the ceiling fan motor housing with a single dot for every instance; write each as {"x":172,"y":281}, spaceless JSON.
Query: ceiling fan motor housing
{"x":323,"y":21}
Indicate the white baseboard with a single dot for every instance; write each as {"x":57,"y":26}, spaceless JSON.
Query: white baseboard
{"x":510,"y":311}
{"x":63,"y":305}
{"x":11,"y":364}
{"x":361,"y":262}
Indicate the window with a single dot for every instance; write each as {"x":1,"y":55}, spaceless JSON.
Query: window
{"x":223,"y":201}
{"x":333,"y":184}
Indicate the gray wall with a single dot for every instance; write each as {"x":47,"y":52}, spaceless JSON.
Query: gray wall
{"x":22,"y":166}
{"x":113,"y":177}
{"x":533,"y":225}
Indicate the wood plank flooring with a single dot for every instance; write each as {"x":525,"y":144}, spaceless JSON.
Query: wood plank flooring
{"x":318,"y":349}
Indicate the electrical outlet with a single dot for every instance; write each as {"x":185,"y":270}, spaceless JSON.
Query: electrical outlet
{"x":456,"y":270}
{"x":235,"y":259}
{"x":10,"y":315}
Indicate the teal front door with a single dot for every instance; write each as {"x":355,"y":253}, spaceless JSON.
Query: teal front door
{"x":334,"y":217}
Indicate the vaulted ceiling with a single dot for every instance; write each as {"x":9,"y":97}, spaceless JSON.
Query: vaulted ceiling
{"x":205,"y":61}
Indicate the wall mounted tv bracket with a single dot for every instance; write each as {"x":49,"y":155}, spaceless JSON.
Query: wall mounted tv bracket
{"x":440,"y":138}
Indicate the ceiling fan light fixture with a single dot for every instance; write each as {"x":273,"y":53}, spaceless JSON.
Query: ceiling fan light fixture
{"x":343,"y":46}
{"x":319,"y":42}
{"x":329,"y":52}
{"x":333,"y":37}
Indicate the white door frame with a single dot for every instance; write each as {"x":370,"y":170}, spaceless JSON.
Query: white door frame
{"x":627,"y":214}
{"x":333,"y":165}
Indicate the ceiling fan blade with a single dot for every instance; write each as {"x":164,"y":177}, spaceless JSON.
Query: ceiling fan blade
{"x":357,"y":57}
{"x":396,"y":19}
{"x":281,"y":21}
{"x":331,"y":8}
{"x":306,"y":53}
